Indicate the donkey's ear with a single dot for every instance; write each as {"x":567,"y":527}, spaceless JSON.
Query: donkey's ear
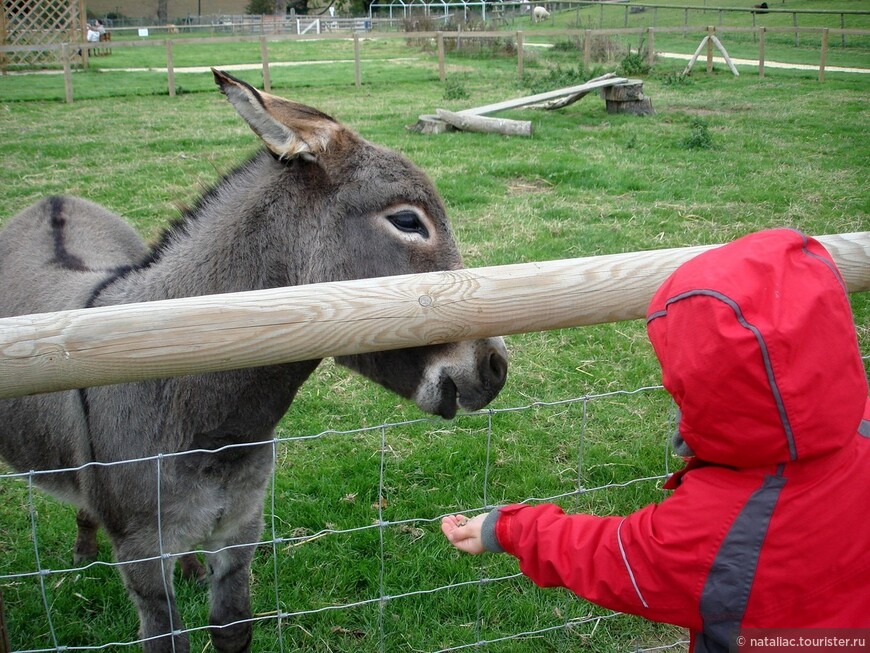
{"x":287,"y":128}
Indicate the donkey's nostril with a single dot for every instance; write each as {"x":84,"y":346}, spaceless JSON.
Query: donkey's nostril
{"x":497,"y":372}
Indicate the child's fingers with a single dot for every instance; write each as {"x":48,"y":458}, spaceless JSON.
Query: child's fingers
{"x":451,"y":523}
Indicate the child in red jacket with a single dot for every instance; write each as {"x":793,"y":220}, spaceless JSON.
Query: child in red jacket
{"x":769,"y":522}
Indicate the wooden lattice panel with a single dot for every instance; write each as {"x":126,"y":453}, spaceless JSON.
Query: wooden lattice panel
{"x":40,"y":22}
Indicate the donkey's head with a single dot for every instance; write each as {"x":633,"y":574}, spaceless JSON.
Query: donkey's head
{"x":354,"y":210}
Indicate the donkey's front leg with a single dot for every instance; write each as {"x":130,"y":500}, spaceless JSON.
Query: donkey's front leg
{"x":230,"y":570}
{"x":86,"y":547}
{"x":149,"y":585}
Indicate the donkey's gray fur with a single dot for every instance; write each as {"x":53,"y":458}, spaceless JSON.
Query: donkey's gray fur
{"x":318,"y":204}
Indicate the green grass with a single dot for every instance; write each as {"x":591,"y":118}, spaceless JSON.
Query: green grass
{"x":779,"y":151}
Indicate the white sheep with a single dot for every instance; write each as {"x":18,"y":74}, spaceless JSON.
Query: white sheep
{"x":540,"y":13}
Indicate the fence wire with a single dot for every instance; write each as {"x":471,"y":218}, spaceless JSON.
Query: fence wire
{"x":282,"y":543}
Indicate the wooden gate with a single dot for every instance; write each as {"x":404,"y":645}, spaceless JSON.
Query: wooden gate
{"x":41,"y":22}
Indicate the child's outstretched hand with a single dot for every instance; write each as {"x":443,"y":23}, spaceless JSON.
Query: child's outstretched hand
{"x":464,"y":533}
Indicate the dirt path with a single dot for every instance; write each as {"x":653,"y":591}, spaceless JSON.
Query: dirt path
{"x":250,"y":66}
{"x":767,"y":64}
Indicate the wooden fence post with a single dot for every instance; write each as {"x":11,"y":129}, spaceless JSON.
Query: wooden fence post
{"x":83,"y":29}
{"x":67,"y":73}
{"x":264,"y":55}
{"x":710,"y":31}
{"x":170,"y":68}
{"x":356,"y":63}
{"x":3,"y":40}
{"x":520,"y":63}
{"x":651,"y":46}
{"x":4,"y":631}
{"x":761,"y":33}
{"x":442,"y":67}
{"x":587,"y":49}
{"x":824,"y":55}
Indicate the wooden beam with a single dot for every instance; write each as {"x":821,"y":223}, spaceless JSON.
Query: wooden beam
{"x":132,"y":342}
{"x":542,"y":97}
{"x":558,"y":103}
{"x":725,"y":55}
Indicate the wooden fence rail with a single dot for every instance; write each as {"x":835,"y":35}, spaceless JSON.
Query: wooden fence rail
{"x":98,"y":346}
{"x":647,"y":32}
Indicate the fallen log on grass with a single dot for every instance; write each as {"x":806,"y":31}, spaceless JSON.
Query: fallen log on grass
{"x":472,"y":123}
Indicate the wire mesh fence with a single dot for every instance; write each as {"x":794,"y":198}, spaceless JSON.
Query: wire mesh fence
{"x":376,"y":575}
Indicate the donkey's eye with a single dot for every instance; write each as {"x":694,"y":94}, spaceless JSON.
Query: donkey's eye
{"x":409,"y":222}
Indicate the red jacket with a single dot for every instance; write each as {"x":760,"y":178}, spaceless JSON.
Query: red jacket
{"x":769,"y":524}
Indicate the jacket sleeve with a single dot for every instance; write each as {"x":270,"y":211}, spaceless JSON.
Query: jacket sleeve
{"x":651,"y":563}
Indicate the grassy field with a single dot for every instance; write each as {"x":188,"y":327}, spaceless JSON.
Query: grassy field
{"x":388,"y":59}
{"x":722,"y":157}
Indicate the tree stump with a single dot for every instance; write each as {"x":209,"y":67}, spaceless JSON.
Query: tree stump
{"x":627,"y":97}
{"x":429,"y":124}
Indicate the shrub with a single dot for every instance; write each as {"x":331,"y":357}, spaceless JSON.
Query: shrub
{"x":633,"y":64}
{"x":455,"y":90}
{"x":559,"y":77}
{"x":699,"y":138}
{"x":675,"y":79}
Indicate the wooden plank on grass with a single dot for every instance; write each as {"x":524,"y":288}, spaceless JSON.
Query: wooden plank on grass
{"x":558,"y":103}
{"x":542,"y":97}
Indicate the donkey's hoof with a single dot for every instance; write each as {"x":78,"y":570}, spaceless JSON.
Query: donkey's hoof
{"x":84,"y":557}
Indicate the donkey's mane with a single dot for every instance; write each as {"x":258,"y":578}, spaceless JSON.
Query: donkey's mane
{"x":178,"y":226}
{"x":176,"y":229}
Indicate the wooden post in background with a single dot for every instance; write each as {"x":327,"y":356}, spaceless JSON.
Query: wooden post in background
{"x":824,"y":55}
{"x":651,"y":46}
{"x":587,"y":49}
{"x":3,"y":40}
{"x":520,"y":62}
{"x":83,"y":30}
{"x":170,"y":68}
{"x":710,"y":31}
{"x":761,"y":34}
{"x":264,"y":55}
{"x":67,"y":73}
{"x":356,"y":63}
{"x":442,"y":68}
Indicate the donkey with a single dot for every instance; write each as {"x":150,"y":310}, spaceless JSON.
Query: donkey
{"x":317,"y":203}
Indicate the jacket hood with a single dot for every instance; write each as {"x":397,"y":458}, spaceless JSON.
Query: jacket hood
{"x":758,"y":348}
